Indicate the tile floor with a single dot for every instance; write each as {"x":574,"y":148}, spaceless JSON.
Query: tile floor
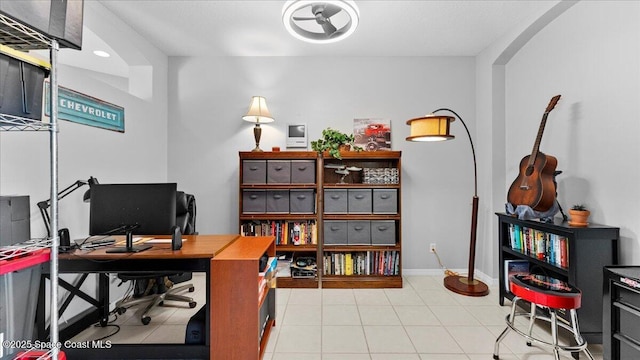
{"x":420,"y":321}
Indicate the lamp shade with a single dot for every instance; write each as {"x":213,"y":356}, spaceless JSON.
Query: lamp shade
{"x":258,"y":111}
{"x":430,"y":128}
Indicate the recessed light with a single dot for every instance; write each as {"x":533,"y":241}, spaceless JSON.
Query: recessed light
{"x":101,"y":53}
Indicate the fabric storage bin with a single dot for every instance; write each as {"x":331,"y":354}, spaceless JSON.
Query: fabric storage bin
{"x":383,"y":232}
{"x":302,"y":201}
{"x":385,"y":201}
{"x":15,"y":219}
{"x":335,"y":232}
{"x":278,"y":201}
{"x":254,"y":172}
{"x":21,"y":88}
{"x":254,"y":201}
{"x":335,"y":201}
{"x":278,"y":171}
{"x":359,"y":232}
{"x":359,"y":201}
{"x":303,"y":171}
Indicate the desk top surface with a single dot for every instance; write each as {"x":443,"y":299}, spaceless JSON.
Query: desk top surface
{"x":194,"y":246}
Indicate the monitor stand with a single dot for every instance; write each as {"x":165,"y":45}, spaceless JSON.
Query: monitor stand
{"x":129,"y":247}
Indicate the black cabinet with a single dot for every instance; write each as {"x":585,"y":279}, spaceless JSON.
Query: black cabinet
{"x":573,"y":254}
{"x":621,"y":313}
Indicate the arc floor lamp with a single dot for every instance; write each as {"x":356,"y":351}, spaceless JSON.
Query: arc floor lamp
{"x":436,"y":128}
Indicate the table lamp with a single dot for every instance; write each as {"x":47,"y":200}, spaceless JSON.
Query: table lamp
{"x":258,"y":113}
{"x":436,"y":128}
{"x":45,"y":204}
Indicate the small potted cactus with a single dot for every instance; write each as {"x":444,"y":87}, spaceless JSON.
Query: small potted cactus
{"x":579,"y":215}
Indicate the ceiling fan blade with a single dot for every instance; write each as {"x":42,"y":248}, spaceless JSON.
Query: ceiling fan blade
{"x":330,"y":10}
{"x":328,"y":28}
{"x":303,"y":18}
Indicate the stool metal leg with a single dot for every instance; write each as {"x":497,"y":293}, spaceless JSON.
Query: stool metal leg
{"x":532,"y":320}
{"x":576,"y":333}
{"x":510,"y":321}
{"x":554,"y":333}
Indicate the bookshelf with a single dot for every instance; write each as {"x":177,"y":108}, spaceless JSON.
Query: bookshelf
{"x":278,"y":197}
{"x":573,"y":254}
{"x":241,"y":286}
{"x":348,"y":222}
{"x":361,"y":220}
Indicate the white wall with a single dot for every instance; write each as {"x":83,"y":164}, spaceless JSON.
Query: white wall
{"x":591,"y":56}
{"x":207,"y":98}
{"x":588,"y":52}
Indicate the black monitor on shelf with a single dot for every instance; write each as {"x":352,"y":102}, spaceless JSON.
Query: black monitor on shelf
{"x":125,"y":209}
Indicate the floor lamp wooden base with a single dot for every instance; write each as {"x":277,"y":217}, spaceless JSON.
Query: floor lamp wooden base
{"x":462,"y":285}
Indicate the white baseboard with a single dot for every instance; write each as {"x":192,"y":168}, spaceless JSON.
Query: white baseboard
{"x":435,"y":272}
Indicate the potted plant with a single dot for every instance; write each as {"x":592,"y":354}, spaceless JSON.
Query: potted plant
{"x":579,"y":215}
{"x":333,"y":141}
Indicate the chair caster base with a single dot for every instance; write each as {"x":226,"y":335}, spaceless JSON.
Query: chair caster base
{"x":145,"y":320}
{"x":192,"y":304}
{"x":496,"y":357}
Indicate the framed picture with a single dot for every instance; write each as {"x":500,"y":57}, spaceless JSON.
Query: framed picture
{"x":372,"y":134}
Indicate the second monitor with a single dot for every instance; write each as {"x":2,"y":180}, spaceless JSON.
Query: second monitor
{"x":125,"y":209}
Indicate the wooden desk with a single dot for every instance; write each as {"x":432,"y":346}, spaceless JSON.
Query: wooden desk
{"x":197,"y":255}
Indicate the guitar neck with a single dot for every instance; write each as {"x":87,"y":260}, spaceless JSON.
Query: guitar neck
{"x":536,"y":145}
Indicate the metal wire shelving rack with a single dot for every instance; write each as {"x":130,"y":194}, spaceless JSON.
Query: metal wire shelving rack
{"x":19,"y":37}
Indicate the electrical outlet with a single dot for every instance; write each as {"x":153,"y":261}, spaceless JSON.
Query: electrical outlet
{"x":432,"y":247}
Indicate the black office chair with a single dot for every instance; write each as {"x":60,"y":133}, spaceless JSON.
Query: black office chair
{"x":186,"y":220}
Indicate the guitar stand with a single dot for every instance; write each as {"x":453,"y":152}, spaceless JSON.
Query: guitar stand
{"x":555,"y":183}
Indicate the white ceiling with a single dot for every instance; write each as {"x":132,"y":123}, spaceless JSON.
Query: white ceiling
{"x":387,"y":28}
{"x":254,"y":28}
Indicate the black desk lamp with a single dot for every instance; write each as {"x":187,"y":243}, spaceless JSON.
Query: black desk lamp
{"x":45,"y":204}
{"x":436,"y":128}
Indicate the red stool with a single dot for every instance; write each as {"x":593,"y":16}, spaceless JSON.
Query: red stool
{"x":552,"y":294}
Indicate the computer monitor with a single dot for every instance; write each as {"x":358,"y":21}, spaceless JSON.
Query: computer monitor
{"x":145,"y":209}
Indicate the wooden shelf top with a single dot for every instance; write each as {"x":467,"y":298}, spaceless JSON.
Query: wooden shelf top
{"x":260,"y":155}
{"x":247,"y":248}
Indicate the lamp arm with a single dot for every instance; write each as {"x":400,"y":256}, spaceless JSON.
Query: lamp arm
{"x":45,"y":204}
{"x":474,"y":210}
{"x":473,"y":150}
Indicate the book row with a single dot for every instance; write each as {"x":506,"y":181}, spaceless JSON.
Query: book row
{"x":541,"y":245}
{"x":285,"y":232}
{"x":385,"y":262}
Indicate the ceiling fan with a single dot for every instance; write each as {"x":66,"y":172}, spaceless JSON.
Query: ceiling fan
{"x":322,"y":13}
{"x":336,"y":19}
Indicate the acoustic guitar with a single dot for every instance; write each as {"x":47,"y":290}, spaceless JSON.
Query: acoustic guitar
{"x":534,"y":186}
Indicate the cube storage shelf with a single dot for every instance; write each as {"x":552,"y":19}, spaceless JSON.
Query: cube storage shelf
{"x":347,"y":221}
{"x":573,"y":254}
